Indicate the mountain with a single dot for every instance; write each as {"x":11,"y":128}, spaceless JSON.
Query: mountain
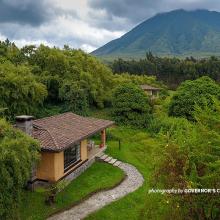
{"x":175,"y":33}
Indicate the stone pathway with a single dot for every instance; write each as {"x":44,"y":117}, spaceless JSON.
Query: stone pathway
{"x":133,"y":181}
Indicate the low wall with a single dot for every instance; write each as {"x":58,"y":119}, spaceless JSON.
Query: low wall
{"x":74,"y":174}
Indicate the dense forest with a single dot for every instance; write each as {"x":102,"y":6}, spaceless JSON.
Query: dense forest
{"x":172,"y":71}
{"x":32,"y":79}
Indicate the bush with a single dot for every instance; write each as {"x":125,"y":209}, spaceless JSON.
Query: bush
{"x":131,"y":105}
{"x":198,"y":92}
{"x":18,"y":152}
{"x":190,"y":161}
{"x":167,"y":124}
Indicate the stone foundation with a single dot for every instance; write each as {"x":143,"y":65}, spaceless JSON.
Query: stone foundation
{"x":73,"y":175}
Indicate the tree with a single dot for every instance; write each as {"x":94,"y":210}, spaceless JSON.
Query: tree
{"x":74,"y":97}
{"x":190,"y":93}
{"x":131,"y":105}
{"x":20,"y":92}
{"x":18,"y":152}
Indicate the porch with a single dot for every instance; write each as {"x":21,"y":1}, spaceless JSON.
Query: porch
{"x":96,"y":146}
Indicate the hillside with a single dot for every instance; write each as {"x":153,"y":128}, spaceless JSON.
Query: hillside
{"x":179,"y":33}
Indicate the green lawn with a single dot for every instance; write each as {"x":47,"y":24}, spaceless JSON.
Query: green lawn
{"x":98,"y":177}
{"x":139,"y":149}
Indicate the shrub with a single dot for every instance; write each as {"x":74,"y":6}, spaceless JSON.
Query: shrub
{"x":131,"y":105}
{"x":190,"y":93}
{"x":18,"y":152}
{"x":191,"y":160}
{"x":167,"y":124}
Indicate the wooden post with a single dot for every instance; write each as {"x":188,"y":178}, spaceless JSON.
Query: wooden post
{"x":103,"y":138}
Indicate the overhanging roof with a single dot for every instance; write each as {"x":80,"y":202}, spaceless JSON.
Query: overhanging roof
{"x":58,"y":132}
{"x":147,"y":87}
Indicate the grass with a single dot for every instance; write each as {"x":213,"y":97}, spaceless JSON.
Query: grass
{"x":139,"y":149}
{"x":98,"y":177}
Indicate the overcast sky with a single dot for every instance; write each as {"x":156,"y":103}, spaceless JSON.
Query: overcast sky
{"x":85,"y":24}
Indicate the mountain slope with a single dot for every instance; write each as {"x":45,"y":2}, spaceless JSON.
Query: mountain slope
{"x":177,"y":32}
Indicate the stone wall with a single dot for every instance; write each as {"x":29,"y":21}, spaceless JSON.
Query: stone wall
{"x":79,"y":170}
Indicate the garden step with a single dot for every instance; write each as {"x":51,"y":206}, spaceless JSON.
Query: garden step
{"x":103,"y":157}
{"x":108,"y":159}
{"x":100,"y":154}
{"x":117,"y":163}
{"x":112,"y":161}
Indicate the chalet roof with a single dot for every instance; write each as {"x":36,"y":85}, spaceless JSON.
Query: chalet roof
{"x":58,"y":132}
{"x":147,"y":87}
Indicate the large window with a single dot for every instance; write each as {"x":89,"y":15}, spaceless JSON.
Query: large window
{"x":71,"y":156}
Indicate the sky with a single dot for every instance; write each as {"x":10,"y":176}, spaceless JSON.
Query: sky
{"x":85,"y":24}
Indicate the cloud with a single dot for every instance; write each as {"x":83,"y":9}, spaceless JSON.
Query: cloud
{"x":85,"y":24}
{"x":24,"y":12}
{"x":139,"y":10}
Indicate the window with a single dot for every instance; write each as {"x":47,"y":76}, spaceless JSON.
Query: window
{"x":71,"y":156}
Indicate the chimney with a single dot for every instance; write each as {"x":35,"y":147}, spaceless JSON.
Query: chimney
{"x":25,"y":123}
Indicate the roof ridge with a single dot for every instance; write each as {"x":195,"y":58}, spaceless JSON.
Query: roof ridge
{"x":54,"y":140}
{"x":53,"y":116}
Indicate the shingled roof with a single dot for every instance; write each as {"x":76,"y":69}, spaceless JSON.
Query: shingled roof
{"x":147,"y":87}
{"x":58,"y":132}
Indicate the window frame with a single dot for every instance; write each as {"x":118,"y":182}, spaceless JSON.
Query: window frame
{"x":71,"y":162}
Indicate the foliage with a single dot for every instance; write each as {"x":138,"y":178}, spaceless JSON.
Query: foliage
{"x":20,"y":92}
{"x":172,"y":71}
{"x":74,"y":80}
{"x":131,"y":105}
{"x":142,"y":151}
{"x":53,"y":190}
{"x":163,"y":124}
{"x":18,"y":152}
{"x":99,"y":176}
{"x":74,"y":97}
{"x":192,"y":161}
{"x":175,"y":33}
{"x":190,"y":93}
{"x":59,"y":69}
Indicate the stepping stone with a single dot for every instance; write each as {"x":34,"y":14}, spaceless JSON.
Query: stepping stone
{"x":117,"y":163}
{"x":100,"y":154}
{"x":112,"y":161}
{"x":103,"y":157}
{"x":108,"y":159}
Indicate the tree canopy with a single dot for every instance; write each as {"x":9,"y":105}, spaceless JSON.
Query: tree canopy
{"x":20,"y":92}
{"x":131,"y":105}
{"x":170,"y":70}
{"x":72,"y":79}
{"x":197,"y":92}
{"x":18,"y":152}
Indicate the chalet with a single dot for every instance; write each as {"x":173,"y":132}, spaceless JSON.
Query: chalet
{"x":153,"y":92}
{"x":65,"y":143}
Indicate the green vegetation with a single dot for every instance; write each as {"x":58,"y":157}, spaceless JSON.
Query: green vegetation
{"x":191,"y":161}
{"x":143,"y":151}
{"x":175,"y":33}
{"x":18,"y":152}
{"x":98,"y":177}
{"x":171,"y":71}
{"x":131,"y":105}
{"x":33,"y":78}
{"x":180,"y":154}
{"x":191,"y":93}
{"x":20,"y":92}
{"x":171,"y":152}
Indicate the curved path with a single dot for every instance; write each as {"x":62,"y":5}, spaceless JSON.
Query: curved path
{"x":133,"y":181}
